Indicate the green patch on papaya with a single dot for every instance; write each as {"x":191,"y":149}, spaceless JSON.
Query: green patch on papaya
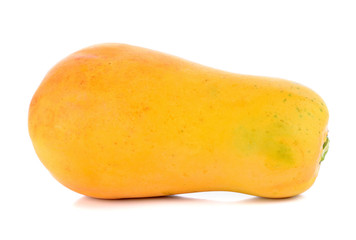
{"x":266,"y":145}
{"x":284,"y":153}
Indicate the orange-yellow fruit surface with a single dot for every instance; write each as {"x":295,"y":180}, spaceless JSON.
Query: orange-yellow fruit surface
{"x":119,"y":121}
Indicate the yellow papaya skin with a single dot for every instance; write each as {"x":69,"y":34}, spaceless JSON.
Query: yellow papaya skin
{"x":118,"y":121}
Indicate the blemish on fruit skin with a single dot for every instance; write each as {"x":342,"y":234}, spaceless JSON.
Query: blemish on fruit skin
{"x":285,"y":154}
{"x":214,"y":92}
{"x":267,"y":143}
{"x":284,"y":100}
{"x":279,"y":155}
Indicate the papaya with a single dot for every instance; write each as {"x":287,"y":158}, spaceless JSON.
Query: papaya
{"x":118,"y":121}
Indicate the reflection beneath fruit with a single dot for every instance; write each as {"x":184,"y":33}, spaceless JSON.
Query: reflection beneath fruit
{"x":201,"y":198}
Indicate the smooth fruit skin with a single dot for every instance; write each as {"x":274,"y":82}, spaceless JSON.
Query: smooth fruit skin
{"x":119,"y":121}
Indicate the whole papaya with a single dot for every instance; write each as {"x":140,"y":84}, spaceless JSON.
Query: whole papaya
{"x":119,"y":121}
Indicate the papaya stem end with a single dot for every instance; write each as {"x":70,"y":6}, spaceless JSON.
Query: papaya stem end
{"x":325,"y":149}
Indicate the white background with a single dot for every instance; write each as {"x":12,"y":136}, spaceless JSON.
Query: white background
{"x":310,"y":42}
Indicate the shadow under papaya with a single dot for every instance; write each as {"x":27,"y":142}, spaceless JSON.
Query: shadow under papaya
{"x":203,"y":198}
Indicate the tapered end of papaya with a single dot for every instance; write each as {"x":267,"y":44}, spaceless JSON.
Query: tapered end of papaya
{"x":325,"y":149}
